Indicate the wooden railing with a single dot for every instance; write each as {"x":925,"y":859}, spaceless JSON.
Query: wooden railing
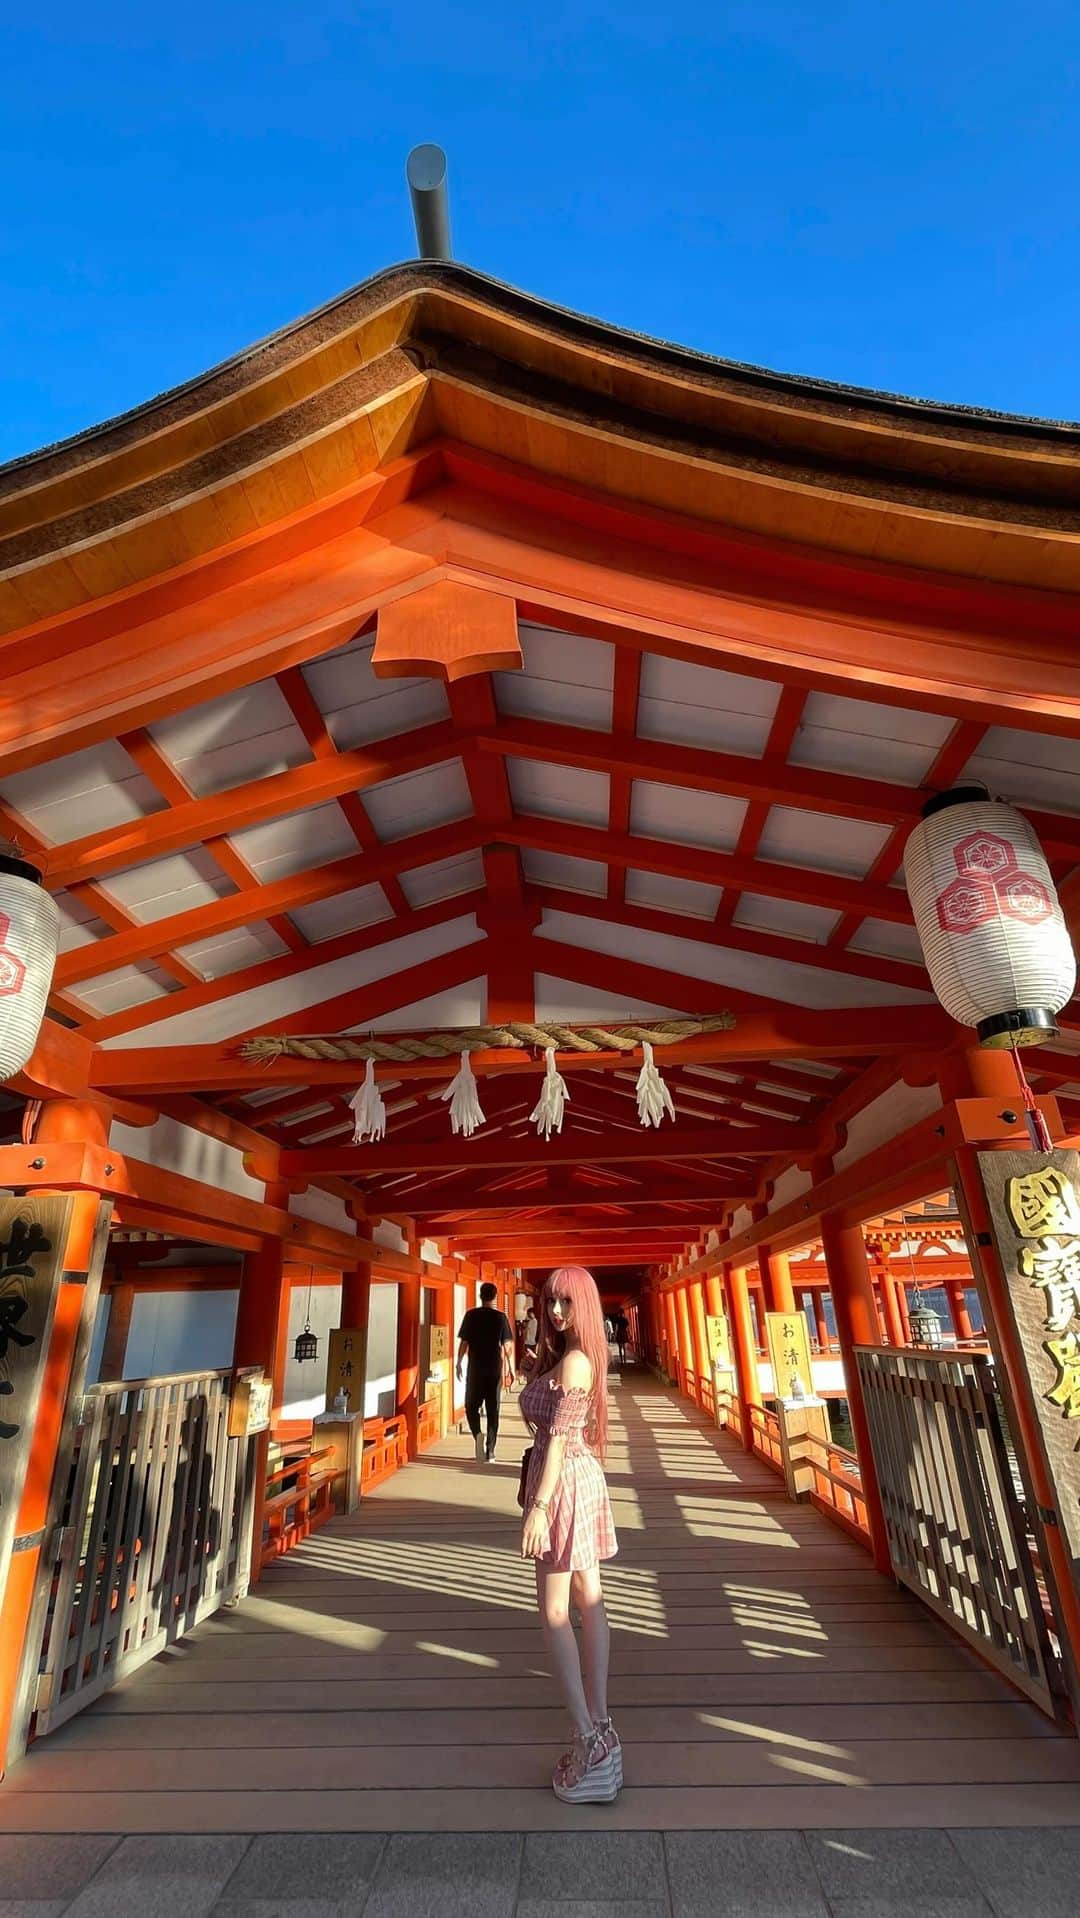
{"x":765,"y":1434}
{"x":837,"y":1487}
{"x":707,"y":1396}
{"x":385,"y":1448}
{"x":304,"y":1501}
{"x":428,"y":1424}
{"x":688,"y":1383}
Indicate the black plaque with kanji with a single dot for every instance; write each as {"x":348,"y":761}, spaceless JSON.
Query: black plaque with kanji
{"x":33,"y":1234}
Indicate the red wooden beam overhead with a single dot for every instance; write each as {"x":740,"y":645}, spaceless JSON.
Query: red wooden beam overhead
{"x":786,"y":1033}
{"x":722,"y":1140}
{"x":464,"y":1197}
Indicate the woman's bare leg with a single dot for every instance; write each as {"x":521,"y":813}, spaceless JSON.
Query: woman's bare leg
{"x":595,"y":1640}
{"x":553,"y":1597}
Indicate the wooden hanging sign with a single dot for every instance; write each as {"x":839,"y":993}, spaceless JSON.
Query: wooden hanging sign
{"x":788,"y":1337}
{"x":1034,"y":1202}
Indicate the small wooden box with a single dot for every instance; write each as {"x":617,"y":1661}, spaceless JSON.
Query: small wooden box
{"x":250,"y":1405}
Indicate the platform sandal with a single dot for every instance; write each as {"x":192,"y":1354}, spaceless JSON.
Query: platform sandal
{"x":589,"y":1777}
{"x":612,"y":1744}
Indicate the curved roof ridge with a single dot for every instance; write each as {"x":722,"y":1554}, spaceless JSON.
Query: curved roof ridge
{"x":451,"y":275}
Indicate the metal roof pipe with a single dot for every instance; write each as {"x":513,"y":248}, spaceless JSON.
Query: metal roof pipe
{"x":425,"y":170}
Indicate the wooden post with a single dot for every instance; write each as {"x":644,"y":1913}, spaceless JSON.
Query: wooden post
{"x":121,"y":1299}
{"x":824,"y":1336}
{"x":701,"y":1336}
{"x":744,"y":1345}
{"x":857,"y":1324}
{"x":894,"y":1324}
{"x":671,"y":1320}
{"x":262,"y":1328}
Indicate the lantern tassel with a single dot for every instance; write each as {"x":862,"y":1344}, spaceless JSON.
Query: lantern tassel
{"x":1038,"y":1130}
{"x":547,"y":1114}
{"x":466,"y":1112}
{"x":369,"y":1112}
{"x":654,"y":1101}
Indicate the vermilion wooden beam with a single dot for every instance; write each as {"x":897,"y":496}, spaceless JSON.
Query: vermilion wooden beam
{"x":281,"y":895}
{"x":564,"y":1190}
{"x":765,"y":876}
{"x":668,"y":1142}
{"x":192,"y":821}
{"x":269,"y":972}
{"x":787,"y":1033}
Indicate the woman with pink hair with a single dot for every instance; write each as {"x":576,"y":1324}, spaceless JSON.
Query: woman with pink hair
{"x":568,"y":1527}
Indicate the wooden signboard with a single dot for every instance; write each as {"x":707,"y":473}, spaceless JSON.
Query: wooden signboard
{"x":346,"y":1366}
{"x":33,"y":1234}
{"x":250,"y":1405}
{"x":719,"y":1337}
{"x":1034,"y":1202}
{"x":788,"y":1338}
{"x":438,"y":1344}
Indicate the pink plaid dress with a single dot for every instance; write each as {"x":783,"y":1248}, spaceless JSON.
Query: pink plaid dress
{"x":582,"y":1528}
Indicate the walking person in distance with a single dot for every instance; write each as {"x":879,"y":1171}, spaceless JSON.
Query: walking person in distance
{"x":486,"y":1339}
{"x":568,"y":1527}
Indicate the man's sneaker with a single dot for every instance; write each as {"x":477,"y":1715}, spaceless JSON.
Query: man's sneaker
{"x":490,"y":1455}
{"x":479,"y":1444}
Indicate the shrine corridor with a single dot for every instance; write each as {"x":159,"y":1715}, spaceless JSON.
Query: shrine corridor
{"x":388,"y":1676}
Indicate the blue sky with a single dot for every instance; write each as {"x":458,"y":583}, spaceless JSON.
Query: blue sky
{"x":874,"y":194}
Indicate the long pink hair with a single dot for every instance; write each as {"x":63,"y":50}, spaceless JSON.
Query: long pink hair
{"x":574,"y":1283}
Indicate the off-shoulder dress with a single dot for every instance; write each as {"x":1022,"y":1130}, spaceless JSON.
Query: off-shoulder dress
{"x":582,"y":1528}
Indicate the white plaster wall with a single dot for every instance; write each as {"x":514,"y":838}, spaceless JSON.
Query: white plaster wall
{"x":305,"y":1385}
{"x":181,"y":1148}
{"x":381,"y":1390}
{"x":790,"y":1185}
{"x":884,"y":1117}
{"x":323,"y":1208}
{"x":387,"y":1234}
{"x":430,"y":1251}
{"x":189,"y":1331}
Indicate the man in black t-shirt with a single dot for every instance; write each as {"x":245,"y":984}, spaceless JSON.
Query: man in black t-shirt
{"x":485,"y":1337}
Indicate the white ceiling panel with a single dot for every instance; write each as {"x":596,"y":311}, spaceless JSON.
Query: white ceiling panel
{"x":821,"y":842}
{"x":687,"y":818}
{"x":783,"y":980}
{"x":243,"y":735}
{"x":579,"y":1005}
{"x":689,"y":705}
{"x":345,"y":912}
{"x":860,"y":736}
{"x":444,"y":879}
{"x":1034,"y":769}
{"x":82,"y":793}
{"x":888,"y":941}
{"x":261,"y":1006}
{"x":559,"y":792}
{"x":659,"y":890}
{"x":564,"y":678}
{"x":131,"y":986}
{"x":785,"y":916}
{"x":464,"y":1005}
{"x":415,"y":802}
{"x":233,"y":951}
{"x":359,"y":708}
{"x":295,"y":842}
{"x":79,"y":923}
{"x":559,"y":869}
{"x":165,"y":886}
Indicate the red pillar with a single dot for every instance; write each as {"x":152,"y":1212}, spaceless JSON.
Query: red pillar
{"x":408,"y":1358}
{"x":894,"y":1324}
{"x":671,"y":1321}
{"x":686,"y":1337}
{"x":262,"y":1328}
{"x":824,"y":1337}
{"x":775,"y":1269}
{"x":701,"y":1337}
{"x":744,"y":1350}
{"x":958,"y":1309}
{"x":114,"y":1351}
{"x":857,"y":1324}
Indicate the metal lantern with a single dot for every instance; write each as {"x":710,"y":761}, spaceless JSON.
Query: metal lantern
{"x":992,"y":931}
{"x":306,"y":1347}
{"x":29,"y":936}
{"x":924,"y":1321}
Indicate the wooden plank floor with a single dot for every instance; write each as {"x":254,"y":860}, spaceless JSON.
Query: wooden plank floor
{"x":389,"y":1676}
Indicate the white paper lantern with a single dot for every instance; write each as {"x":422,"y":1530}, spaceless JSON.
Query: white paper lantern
{"x":993,"y":933}
{"x":29,"y":935}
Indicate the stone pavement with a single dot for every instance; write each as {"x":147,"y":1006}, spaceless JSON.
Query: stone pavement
{"x":684,"y":1874}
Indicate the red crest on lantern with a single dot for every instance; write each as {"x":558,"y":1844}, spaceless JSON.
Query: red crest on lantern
{"x":12,"y":969}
